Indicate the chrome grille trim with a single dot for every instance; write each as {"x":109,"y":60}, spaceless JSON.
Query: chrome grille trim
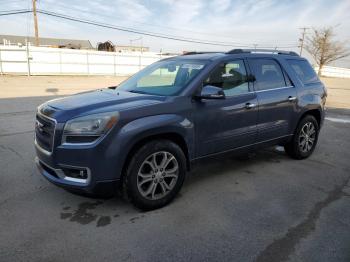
{"x":45,"y":151}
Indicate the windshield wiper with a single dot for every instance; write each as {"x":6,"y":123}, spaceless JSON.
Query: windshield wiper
{"x":138,"y":92}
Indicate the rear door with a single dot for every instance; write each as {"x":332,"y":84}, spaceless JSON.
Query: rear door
{"x":276,"y":98}
{"x":226,"y":124}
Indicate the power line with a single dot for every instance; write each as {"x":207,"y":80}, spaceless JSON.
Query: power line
{"x":140,"y":32}
{"x":3,"y":13}
{"x":71,"y":8}
{"x":125,"y":29}
{"x":136,"y":31}
{"x":15,"y":10}
{"x":11,"y":2}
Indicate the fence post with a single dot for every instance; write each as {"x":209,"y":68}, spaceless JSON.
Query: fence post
{"x":60,"y":60}
{"x":1,"y":71}
{"x":115,"y":64}
{"x":87,"y":63}
{"x":140,"y":62}
{"x":28,"y":58}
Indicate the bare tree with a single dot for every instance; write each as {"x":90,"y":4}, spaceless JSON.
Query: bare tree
{"x":323,"y":48}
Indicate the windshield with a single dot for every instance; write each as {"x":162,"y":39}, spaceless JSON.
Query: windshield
{"x":163,"y":78}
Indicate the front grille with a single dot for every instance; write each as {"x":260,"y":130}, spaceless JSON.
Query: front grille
{"x":44,"y":132}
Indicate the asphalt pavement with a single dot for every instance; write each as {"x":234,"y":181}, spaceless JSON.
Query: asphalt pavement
{"x":267,"y":207}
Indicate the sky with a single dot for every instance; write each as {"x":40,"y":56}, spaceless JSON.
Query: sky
{"x":261,"y":23}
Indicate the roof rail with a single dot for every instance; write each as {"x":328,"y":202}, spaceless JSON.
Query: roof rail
{"x":200,"y":52}
{"x":273,"y":51}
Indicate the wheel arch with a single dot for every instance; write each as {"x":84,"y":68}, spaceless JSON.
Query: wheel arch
{"x":316,"y":113}
{"x":171,"y":136}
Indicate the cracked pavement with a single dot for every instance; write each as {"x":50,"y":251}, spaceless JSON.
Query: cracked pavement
{"x":267,"y":207}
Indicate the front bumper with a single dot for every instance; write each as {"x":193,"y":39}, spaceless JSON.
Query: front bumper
{"x":57,"y":177}
{"x":100,"y":162}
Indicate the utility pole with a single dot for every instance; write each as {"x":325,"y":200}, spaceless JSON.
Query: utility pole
{"x":35,"y":24}
{"x":136,"y":39}
{"x":302,"y":39}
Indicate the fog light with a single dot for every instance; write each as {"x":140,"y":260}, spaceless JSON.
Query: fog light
{"x":76,"y":173}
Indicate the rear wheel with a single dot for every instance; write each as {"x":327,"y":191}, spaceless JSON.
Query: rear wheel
{"x":304,"y":140}
{"x":155,"y":174}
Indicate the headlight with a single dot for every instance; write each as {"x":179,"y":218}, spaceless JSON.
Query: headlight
{"x":89,"y":128}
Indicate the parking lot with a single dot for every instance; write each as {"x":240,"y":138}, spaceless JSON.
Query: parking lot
{"x":265,"y":207}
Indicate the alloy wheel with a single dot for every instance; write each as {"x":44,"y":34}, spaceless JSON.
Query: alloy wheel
{"x":307,"y":137}
{"x":157,"y":175}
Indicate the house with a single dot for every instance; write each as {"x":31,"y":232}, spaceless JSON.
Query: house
{"x":45,"y":42}
{"x":106,"y":46}
{"x":110,"y":47}
{"x":131,"y":48}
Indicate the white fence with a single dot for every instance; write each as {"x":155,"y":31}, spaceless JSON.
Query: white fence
{"x":331,"y":71}
{"x":55,"y":61}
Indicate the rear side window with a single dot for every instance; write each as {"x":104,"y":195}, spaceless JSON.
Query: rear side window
{"x":304,"y":71}
{"x":268,"y":74}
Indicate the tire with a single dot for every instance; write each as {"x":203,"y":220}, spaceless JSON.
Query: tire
{"x":304,"y":140}
{"x":155,"y":174}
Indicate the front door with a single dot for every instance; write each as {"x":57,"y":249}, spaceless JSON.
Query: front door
{"x":276,"y":97}
{"x":226,"y":124}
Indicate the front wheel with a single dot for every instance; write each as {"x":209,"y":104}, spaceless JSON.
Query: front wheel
{"x":304,"y":140}
{"x":155,"y":174}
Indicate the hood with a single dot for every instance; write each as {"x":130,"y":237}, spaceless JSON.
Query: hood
{"x":95,"y":100}
{"x":63,"y":109}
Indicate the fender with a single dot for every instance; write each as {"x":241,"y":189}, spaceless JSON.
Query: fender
{"x":133,"y":132}
{"x":310,"y":98}
{"x":309,"y":101}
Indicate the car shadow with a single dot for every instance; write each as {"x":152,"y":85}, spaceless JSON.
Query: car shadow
{"x":102,"y":211}
{"x":210,"y":168}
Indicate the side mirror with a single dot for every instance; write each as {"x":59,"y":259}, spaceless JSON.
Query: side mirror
{"x":211,"y":92}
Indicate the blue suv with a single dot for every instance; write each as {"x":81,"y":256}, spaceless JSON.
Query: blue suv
{"x":143,"y":136}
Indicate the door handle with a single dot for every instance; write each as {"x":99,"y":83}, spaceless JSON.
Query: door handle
{"x":292,"y":98}
{"x":250,"y":105}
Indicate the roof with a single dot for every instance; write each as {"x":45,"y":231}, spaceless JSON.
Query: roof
{"x":44,"y":41}
{"x":261,"y":51}
{"x":201,"y":56}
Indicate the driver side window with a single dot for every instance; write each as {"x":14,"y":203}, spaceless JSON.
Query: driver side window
{"x":231,"y":77}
